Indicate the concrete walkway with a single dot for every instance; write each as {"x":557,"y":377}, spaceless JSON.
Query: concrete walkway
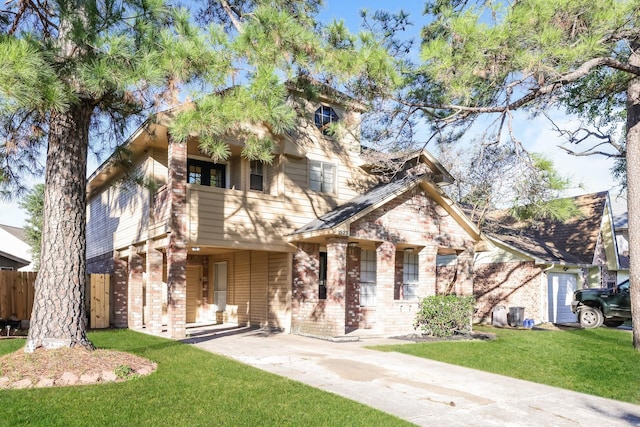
{"x":421,"y":391}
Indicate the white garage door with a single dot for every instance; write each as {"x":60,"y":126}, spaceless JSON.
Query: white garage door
{"x":560,"y":294}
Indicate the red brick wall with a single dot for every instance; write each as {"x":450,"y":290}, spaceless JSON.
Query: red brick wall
{"x":600,"y":259}
{"x":308,"y":311}
{"x":120,"y":293}
{"x":520,"y":284}
{"x":354,"y":313}
{"x":411,"y":220}
{"x":177,"y":249}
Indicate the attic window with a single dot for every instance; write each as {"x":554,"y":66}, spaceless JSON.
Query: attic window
{"x":324,"y":117}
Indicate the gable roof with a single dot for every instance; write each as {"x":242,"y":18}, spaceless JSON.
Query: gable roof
{"x":360,"y":205}
{"x":14,"y":231}
{"x":339,"y":219}
{"x":572,"y":241}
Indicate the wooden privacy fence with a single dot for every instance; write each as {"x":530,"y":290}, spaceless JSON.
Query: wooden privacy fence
{"x":16,"y":296}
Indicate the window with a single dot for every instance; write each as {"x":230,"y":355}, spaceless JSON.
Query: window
{"x":256,"y":177}
{"x":206,"y":173}
{"x":6,"y":268}
{"x":322,"y":177}
{"x":323,"y":117}
{"x":368,"y":278}
{"x":322,"y":276}
{"x":409,"y":275}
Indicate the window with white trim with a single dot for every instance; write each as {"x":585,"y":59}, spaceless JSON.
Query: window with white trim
{"x":409,"y":275}
{"x":368,"y":278}
{"x":322,"y":176}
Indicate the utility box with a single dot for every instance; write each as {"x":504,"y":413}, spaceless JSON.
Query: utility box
{"x":499,"y":316}
{"x":516,"y":316}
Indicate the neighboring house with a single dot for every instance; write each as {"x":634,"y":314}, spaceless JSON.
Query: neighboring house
{"x":621,"y":228}
{"x":15,"y":252}
{"x":312,"y":243}
{"x":539,"y":266}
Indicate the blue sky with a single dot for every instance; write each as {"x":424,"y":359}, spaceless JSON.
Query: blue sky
{"x":591,"y":172}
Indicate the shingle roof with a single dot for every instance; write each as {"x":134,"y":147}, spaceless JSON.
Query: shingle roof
{"x":14,"y":231}
{"x":360,"y":203}
{"x":572,"y":241}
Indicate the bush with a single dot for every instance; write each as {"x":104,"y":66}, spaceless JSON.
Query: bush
{"x":445,"y":315}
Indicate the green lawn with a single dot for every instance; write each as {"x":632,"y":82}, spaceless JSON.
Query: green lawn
{"x":190,"y":387}
{"x":599,"y":361}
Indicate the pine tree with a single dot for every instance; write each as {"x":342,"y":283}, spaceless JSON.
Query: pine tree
{"x":75,"y":72}
{"x":493,"y":58}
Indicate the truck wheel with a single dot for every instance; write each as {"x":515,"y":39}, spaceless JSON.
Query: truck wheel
{"x":590,"y":317}
{"x":613,"y":323}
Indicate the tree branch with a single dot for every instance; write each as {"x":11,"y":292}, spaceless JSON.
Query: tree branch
{"x":541,"y":91}
{"x":232,"y":15}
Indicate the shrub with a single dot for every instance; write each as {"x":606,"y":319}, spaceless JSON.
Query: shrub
{"x":445,"y":315}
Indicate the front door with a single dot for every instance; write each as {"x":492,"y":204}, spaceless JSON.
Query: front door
{"x":194,"y":292}
{"x":220,"y":286}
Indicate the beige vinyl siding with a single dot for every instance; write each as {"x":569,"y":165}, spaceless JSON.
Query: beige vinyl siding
{"x":240,"y":294}
{"x":229,"y":218}
{"x":194,"y":293}
{"x":258,"y":291}
{"x":296,"y":175}
{"x":271,"y":180}
{"x":279,"y":296}
{"x":159,"y":166}
{"x":118,"y":216}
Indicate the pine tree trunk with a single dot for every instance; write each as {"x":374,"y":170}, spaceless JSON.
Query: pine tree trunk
{"x":58,"y":316}
{"x":633,"y":190}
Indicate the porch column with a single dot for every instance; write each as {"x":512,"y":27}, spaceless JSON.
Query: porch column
{"x":135,"y":306}
{"x":177,"y":249}
{"x":337,"y":284}
{"x":154,"y":289}
{"x":305,"y":290}
{"x":353,"y":312}
{"x":120,"y":293}
{"x":385,"y":281}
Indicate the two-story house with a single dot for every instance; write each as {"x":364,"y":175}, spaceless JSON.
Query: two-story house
{"x":312,"y":243}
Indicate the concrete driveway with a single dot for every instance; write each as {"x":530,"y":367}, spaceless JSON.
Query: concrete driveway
{"x":421,"y":391}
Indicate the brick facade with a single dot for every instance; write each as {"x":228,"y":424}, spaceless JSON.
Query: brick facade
{"x":521,"y":284}
{"x":177,"y":248}
{"x":153,"y":289}
{"x":120,"y":293}
{"x":606,"y":276}
{"x":135,"y":299}
{"x":411,"y":220}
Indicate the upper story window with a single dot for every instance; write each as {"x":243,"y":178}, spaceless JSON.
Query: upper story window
{"x":323,"y":117}
{"x":322,"y":177}
{"x":206,"y":173}
{"x":256,"y":175}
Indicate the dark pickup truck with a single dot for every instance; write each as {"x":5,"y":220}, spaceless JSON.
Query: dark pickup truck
{"x":610,"y":306}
